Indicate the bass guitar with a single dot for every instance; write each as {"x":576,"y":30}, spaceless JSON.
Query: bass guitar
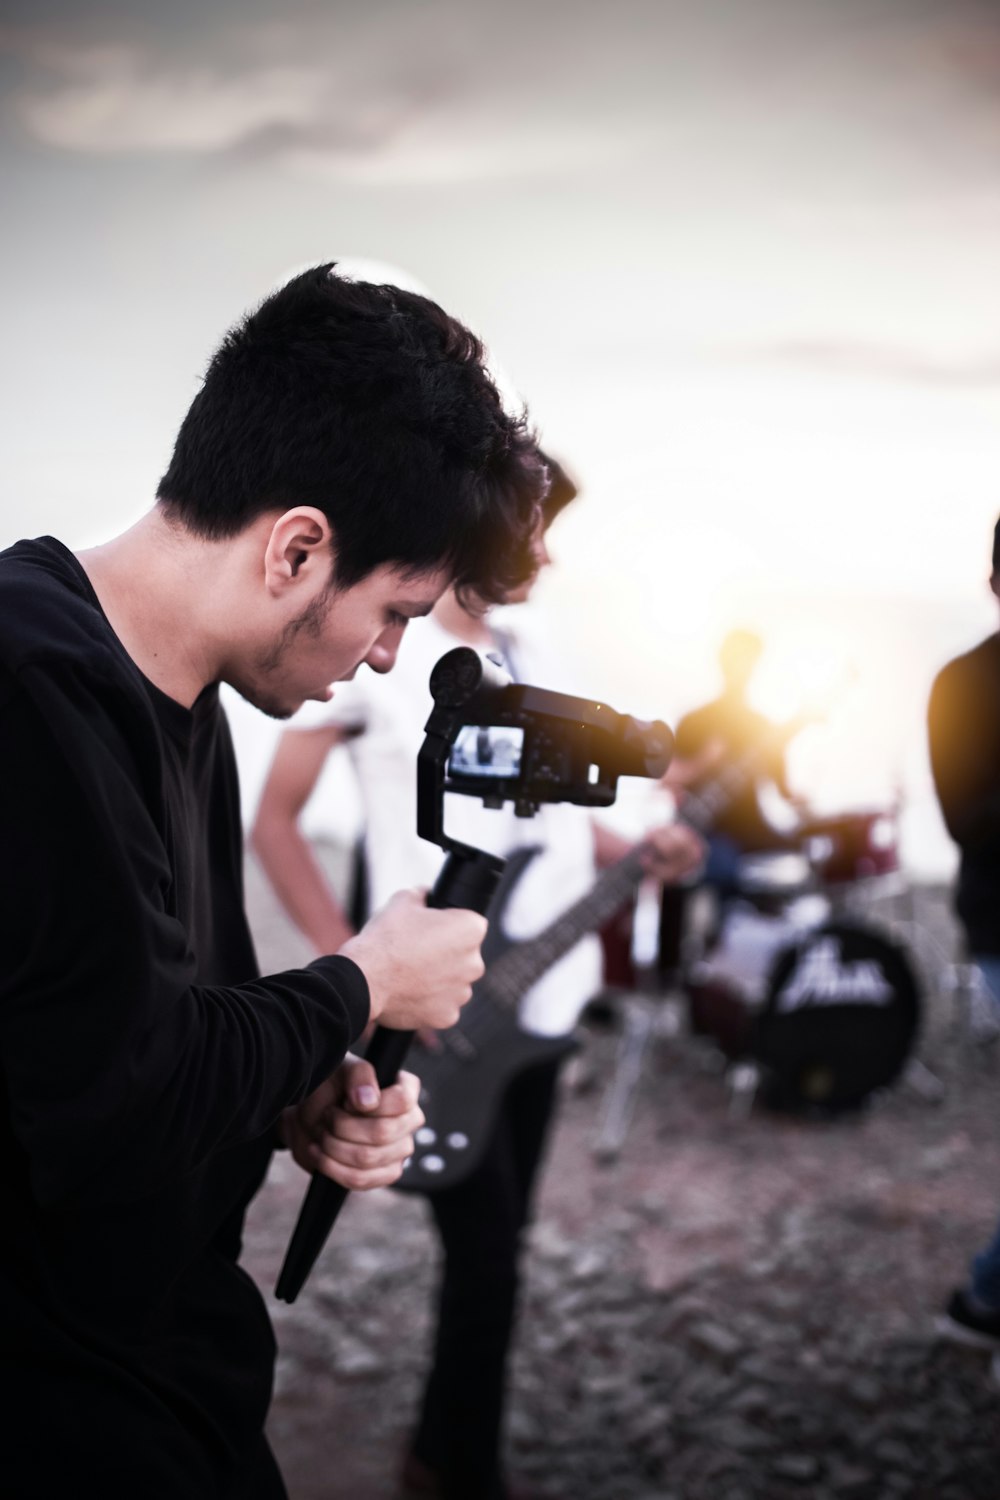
{"x":465,"y":1074}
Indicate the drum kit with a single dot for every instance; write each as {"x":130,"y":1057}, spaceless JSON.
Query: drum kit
{"x":815,"y":1006}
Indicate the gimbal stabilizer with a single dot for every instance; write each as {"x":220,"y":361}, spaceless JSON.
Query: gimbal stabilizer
{"x":504,"y":742}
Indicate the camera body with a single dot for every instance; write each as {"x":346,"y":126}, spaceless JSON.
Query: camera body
{"x":501,"y":741}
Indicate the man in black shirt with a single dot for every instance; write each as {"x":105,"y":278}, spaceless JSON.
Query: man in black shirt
{"x":729,"y":732}
{"x":346,"y":460}
{"x":964,"y":737}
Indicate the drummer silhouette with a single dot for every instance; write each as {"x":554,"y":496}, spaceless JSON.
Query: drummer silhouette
{"x":726,"y":753}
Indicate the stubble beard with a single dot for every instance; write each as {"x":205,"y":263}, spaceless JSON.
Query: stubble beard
{"x":257,"y":688}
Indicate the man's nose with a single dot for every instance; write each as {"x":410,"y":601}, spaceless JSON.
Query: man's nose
{"x":382,"y":656}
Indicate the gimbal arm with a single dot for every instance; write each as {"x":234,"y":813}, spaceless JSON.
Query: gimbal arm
{"x":468,"y":879}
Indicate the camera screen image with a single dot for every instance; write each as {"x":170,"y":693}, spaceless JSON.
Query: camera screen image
{"x":488,"y":750}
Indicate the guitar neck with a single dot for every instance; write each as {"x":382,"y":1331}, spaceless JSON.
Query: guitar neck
{"x":515,"y":971}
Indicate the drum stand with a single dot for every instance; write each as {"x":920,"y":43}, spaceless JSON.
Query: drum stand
{"x":648,"y":1013}
{"x":651,"y":1014}
{"x":973,"y":1014}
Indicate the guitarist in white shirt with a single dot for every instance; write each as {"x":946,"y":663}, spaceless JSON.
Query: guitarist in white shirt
{"x":455,"y":1450}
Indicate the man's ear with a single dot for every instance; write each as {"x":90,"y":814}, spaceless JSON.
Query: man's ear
{"x":299,"y":551}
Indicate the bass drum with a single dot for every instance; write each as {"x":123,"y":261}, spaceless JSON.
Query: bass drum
{"x":839,"y":1021}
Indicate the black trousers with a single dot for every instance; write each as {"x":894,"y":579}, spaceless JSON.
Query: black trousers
{"x":481,"y":1222}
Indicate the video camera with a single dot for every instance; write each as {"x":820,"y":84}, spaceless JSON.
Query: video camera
{"x":502,"y":741}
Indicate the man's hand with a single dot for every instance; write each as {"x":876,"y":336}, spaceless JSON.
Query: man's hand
{"x":353,"y":1131}
{"x":675,"y":852}
{"x":420,"y":963}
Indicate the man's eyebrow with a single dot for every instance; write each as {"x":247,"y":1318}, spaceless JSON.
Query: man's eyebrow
{"x":416,"y":611}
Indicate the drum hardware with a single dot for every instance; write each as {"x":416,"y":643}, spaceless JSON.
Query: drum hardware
{"x":648,"y":1015}
{"x":619,"y":1099}
{"x":774,"y":877}
{"x":852,"y":846}
{"x":976,"y":1012}
{"x":743,"y":1079}
{"x":974,"y":1015}
{"x":854,"y":856}
{"x":921,"y":1081}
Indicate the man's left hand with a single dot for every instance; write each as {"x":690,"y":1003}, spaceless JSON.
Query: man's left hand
{"x":674,"y":852}
{"x":353,"y":1131}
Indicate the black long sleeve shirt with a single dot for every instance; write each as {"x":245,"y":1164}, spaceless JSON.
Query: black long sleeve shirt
{"x":144,"y":1064}
{"x":964,"y":729}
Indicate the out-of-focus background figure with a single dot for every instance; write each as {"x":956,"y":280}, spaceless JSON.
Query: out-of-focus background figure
{"x":964,"y":735}
{"x":730,"y":735}
{"x":964,"y":728}
{"x":727,"y":756}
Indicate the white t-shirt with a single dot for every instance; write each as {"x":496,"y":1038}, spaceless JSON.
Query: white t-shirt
{"x":389,"y":713}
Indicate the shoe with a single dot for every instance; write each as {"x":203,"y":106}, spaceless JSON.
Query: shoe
{"x":964,"y":1325}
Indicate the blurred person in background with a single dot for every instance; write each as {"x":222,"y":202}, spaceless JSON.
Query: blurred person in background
{"x":963,"y":721}
{"x":727,"y":752}
{"x":346,"y":461}
{"x":455,"y":1451}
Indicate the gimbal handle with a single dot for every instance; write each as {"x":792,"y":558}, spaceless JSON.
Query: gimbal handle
{"x":468,"y":879}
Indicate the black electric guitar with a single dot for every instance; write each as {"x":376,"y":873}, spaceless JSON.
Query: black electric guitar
{"x":466,"y":1073}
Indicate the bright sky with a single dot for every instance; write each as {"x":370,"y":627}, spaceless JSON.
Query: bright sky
{"x":739,"y":257}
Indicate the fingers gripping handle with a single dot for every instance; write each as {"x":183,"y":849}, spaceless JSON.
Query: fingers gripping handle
{"x":468,"y":879}
{"x":325,"y":1198}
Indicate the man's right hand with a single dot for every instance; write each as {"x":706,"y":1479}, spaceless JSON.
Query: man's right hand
{"x":420,"y":963}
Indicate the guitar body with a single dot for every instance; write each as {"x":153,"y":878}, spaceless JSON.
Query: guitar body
{"x":464,"y":1078}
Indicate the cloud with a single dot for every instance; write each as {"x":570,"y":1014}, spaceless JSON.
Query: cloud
{"x":123,"y":100}
{"x":778,"y":92}
{"x":388,"y":92}
{"x":329,"y":99}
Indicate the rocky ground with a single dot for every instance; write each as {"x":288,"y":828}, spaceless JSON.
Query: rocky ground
{"x":738,"y":1307}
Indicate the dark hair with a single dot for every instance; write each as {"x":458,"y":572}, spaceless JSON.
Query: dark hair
{"x":996,"y":547}
{"x":373,"y":405}
{"x":562,"y":489}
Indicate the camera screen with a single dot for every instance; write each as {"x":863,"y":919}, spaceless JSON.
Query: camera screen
{"x":488,"y":750}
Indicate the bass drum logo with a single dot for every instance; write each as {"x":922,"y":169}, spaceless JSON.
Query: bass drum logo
{"x":840,"y":1019}
{"x":823,"y":976}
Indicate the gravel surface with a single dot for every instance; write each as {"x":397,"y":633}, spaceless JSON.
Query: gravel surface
{"x":739,"y":1307}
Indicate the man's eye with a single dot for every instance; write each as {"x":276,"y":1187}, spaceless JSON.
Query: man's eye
{"x":395,"y":618}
